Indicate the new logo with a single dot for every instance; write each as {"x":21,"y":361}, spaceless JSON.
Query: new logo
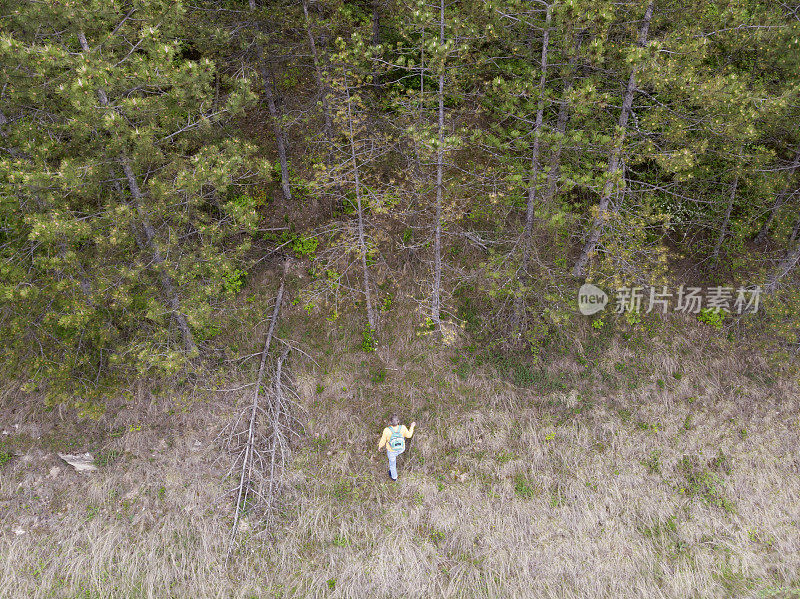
{"x":591,"y":299}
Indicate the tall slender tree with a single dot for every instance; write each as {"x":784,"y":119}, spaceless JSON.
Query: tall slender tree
{"x":268,"y":86}
{"x":614,"y":161}
{"x":781,"y":198}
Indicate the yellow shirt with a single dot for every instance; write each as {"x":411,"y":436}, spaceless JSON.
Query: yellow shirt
{"x":387,"y":434}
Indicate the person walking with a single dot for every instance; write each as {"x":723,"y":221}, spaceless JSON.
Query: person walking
{"x":394,"y":438}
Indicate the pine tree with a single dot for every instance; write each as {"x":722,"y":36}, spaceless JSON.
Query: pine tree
{"x":121,"y":192}
{"x":614,"y":161}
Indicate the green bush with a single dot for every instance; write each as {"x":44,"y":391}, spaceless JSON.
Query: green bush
{"x":712,"y":317}
{"x":305,"y":247}
{"x":524,"y":376}
{"x":653,"y":462}
{"x":368,"y":341}
{"x":386,"y":305}
{"x":5,"y":454}
{"x":701,"y":482}
{"x":234,"y":280}
{"x":523,"y":487}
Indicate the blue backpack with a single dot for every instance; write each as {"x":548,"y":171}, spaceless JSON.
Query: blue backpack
{"x":397,"y":442}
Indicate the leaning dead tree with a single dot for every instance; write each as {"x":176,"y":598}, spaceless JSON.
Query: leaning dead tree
{"x":259,"y":437}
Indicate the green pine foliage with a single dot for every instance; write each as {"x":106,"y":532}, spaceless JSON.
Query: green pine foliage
{"x":137,"y":140}
{"x":83,"y":295}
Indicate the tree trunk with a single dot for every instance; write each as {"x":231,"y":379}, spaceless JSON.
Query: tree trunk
{"x":415,"y":138}
{"x":537,"y":129}
{"x":437,"y":240}
{"x":784,"y":267}
{"x":780,"y":199}
{"x":247,"y":461}
{"x":362,"y":245}
{"x":323,"y":89}
{"x":266,"y":76}
{"x":519,"y":304}
{"x":167,"y":285}
{"x":723,"y":231}
{"x":795,"y":232}
{"x":555,"y":158}
{"x":376,"y":23}
{"x":561,"y":128}
{"x":613,"y":164}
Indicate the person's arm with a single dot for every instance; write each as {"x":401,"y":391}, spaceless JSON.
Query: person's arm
{"x":384,"y":438}
{"x":409,"y":432}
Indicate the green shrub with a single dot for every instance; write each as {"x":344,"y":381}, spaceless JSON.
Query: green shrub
{"x":505,"y":456}
{"x":234,"y":280}
{"x":368,"y":341}
{"x":653,"y":462}
{"x":206,"y":331}
{"x":386,"y":305}
{"x":721,"y":463}
{"x":712,"y":317}
{"x":557,"y":496}
{"x":633,"y":318}
{"x":5,"y":454}
{"x":523,"y":487}
{"x":524,"y":376}
{"x":687,"y":422}
{"x":305,"y":247}
{"x":463,"y":369}
{"x":437,"y":536}
{"x":701,"y":482}
{"x":104,"y":458}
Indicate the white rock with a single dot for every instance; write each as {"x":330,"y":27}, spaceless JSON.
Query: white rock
{"x":55,"y":471}
{"x":81,"y":462}
{"x":19,"y":531}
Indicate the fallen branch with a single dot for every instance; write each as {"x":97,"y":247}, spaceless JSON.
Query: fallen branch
{"x":247,"y":461}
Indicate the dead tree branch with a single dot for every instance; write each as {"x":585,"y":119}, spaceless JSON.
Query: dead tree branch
{"x":249,"y":454}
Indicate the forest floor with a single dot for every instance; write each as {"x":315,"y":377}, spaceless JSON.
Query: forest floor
{"x":661,"y":465}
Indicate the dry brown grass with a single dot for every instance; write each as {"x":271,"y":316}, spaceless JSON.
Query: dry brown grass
{"x":685,"y":489}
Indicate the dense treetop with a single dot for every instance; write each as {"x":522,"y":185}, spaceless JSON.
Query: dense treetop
{"x":155,"y":155}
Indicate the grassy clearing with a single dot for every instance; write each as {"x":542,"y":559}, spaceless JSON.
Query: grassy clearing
{"x":596,"y":488}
